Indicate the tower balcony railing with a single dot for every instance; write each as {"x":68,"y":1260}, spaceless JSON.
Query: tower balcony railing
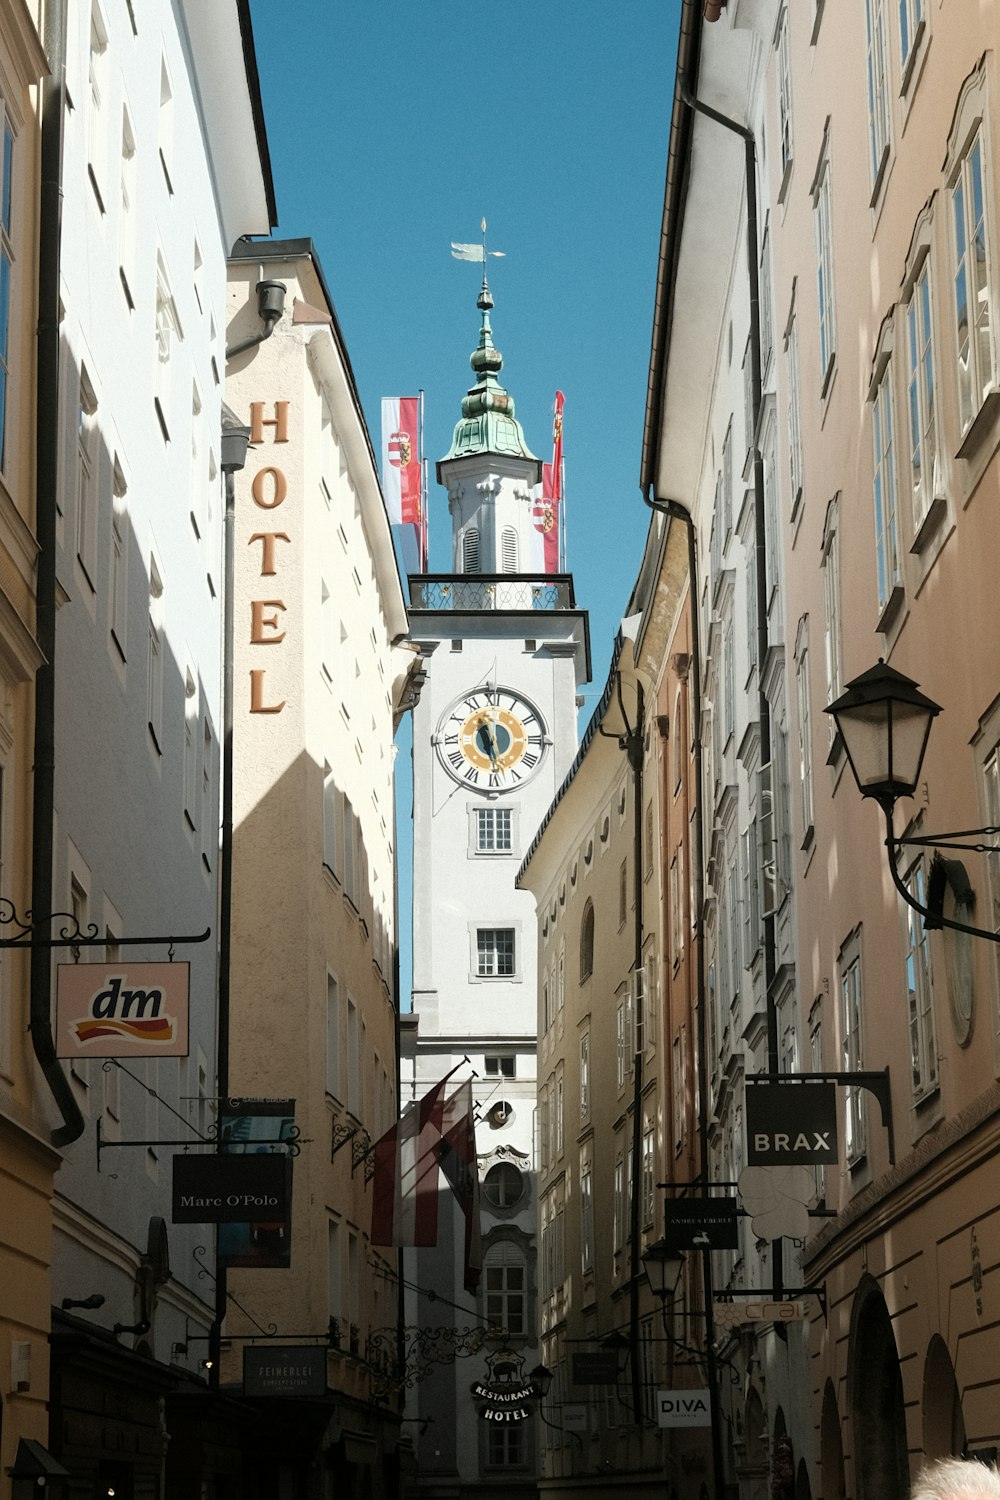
{"x":496,"y":591}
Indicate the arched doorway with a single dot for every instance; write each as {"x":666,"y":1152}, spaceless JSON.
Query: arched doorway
{"x":753,"y":1472}
{"x":944,"y":1425}
{"x":831,"y":1447}
{"x":875,"y":1392}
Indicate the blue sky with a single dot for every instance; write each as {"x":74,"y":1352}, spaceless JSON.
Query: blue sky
{"x":393,"y":130}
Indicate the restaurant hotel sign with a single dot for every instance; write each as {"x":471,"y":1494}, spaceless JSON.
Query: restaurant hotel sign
{"x":505,"y":1395}
{"x":122,"y":1010}
{"x":269,"y":489}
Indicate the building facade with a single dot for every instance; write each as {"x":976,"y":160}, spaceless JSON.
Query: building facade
{"x":505,"y":651}
{"x":321,"y":669}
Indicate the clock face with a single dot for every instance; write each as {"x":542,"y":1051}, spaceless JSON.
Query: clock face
{"x":492,"y":740}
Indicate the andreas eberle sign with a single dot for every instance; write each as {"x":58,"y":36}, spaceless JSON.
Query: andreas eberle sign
{"x":791,"y":1124}
{"x":220,"y":1189}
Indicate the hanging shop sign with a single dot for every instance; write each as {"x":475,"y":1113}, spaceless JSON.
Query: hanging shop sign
{"x":255,"y":1128}
{"x":791,"y":1124}
{"x":732,"y":1315}
{"x":122,"y":1010}
{"x":683,"y":1409}
{"x":701,"y":1224}
{"x":505,"y":1394}
{"x":594,"y":1367}
{"x":220,"y":1189}
{"x":285,"y":1370}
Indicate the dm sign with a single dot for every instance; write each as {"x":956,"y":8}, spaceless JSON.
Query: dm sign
{"x":122,"y":1010}
{"x":791,"y":1124}
{"x":220,"y":1189}
{"x":683,"y":1409}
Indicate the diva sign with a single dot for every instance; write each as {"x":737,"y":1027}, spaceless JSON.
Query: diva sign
{"x":122,"y":1010}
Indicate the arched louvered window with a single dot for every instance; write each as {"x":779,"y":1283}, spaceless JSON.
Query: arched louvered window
{"x":508,"y":550}
{"x":504,"y":1287}
{"x":587,"y":943}
{"x":470,"y":550}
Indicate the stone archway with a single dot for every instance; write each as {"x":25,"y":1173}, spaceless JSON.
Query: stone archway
{"x":875,"y":1394}
{"x":753,"y":1473}
{"x":944,"y":1424}
{"x":831,"y":1454}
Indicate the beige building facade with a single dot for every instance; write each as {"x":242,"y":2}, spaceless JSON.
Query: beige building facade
{"x":320,"y":672}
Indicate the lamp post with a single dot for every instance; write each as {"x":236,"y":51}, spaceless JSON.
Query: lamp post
{"x":664,"y":1268}
{"x":885,"y":723}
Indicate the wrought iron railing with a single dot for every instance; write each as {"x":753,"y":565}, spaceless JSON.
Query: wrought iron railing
{"x":497,"y":591}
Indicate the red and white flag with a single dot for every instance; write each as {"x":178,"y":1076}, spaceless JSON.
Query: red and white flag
{"x":407,"y":1174}
{"x":460,"y":1167}
{"x":401,"y":465}
{"x":547,"y":503}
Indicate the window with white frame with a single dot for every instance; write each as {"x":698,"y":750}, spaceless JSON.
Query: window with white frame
{"x":727,"y":481}
{"x":505,"y":1288}
{"x":126,"y":202}
{"x":335,"y":1275}
{"x":852,"y":1051}
{"x":888,"y":564}
{"x":508,"y":550}
{"x":620,"y":1044}
{"x":618,"y":1207}
{"x":209,"y":825}
{"x":494,"y":830}
{"x":973,"y":280}
{"x":87,"y":462}
{"x":168,"y":330}
{"x":354,"y":1058}
{"x":794,"y":420}
{"x":118,"y":573}
{"x":154,"y":658}
{"x":97,"y":80}
{"x":804,"y":726}
{"x":6,"y":266}
{"x":678,"y":1085}
{"x":586,"y":1219}
{"x":877,"y":68}
{"x":831,"y":601}
{"x":920,"y":988}
{"x":764,"y":298}
{"x":584,"y":1075}
{"x":332,"y":1035}
{"x":911,"y":24}
{"x":165,"y":130}
{"x":920,"y":387}
{"x":823,"y":229}
{"x":622,"y":894}
{"x":784,"y":102}
{"x":192,"y":747}
{"x":495,"y":952}
{"x":751,"y":900}
{"x":648,"y":1173}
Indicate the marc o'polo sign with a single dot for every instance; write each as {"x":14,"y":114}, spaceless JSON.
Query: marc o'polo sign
{"x":791,"y":1124}
{"x":222,"y":1189}
{"x":122,"y":1010}
{"x":287,"y":1370}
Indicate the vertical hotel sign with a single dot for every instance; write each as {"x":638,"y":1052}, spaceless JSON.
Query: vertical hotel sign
{"x":269,"y":490}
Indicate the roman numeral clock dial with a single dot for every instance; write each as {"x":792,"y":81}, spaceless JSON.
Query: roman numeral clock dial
{"x":492,"y":740}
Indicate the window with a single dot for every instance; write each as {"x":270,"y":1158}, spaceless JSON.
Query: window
{"x":209,"y":825}
{"x":764,"y":290}
{"x":877,"y":64}
{"x":97,"y":78}
{"x":919,"y":988}
{"x":495,"y":952}
{"x":618,"y":1207}
{"x":727,"y":481}
{"x":334,"y":1273}
{"x":648,"y":1173}
{"x":500,"y":1067}
{"x":118,"y":590}
{"x":332,"y":1036}
{"x":973,"y":282}
{"x":621,"y":1052}
{"x":6,"y":262}
{"x":560,"y":1121}
{"x":587,"y":943}
{"x":192,"y":748}
{"x":154,"y":660}
{"x":794,"y":422}
{"x":831,"y":599}
{"x":168,"y":329}
{"x":494,"y":830}
{"x":823,"y":228}
{"x":126,"y":219}
{"x":166,"y":124}
{"x":504,"y":1286}
{"x":354,"y":1060}
{"x":586,"y":1220}
{"x":887,"y":559}
{"x":506,"y":1445}
{"x":855,"y":1125}
{"x":470,"y":550}
{"x":330,"y":799}
{"x":623,"y":894}
{"x":784,"y":103}
{"x":584,"y":1075}
{"x":87,"y":455}
{"x":508,"y":550}
{"x":920,"y":393}
{"x":804,"y":726}
{"x":503,"y":1185}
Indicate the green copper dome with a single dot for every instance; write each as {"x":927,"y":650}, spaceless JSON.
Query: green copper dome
{"x":488,"y":424}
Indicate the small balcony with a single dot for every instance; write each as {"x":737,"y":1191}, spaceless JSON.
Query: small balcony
{"x":514,"y":592}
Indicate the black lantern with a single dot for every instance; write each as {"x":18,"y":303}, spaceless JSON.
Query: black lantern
{"x":663,"y":1268}
{"x":885,"y":723}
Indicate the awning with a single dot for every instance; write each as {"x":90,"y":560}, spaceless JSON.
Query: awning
{"x":33,"y":1461}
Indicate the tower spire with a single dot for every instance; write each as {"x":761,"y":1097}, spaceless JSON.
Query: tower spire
{"x":488,"y":423}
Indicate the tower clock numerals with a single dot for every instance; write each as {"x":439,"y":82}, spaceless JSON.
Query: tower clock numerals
{"x":492,"y":739}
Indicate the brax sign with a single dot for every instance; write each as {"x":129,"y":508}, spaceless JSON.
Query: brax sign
{"x":683,"y":1409}
{"x":791,"y":1124}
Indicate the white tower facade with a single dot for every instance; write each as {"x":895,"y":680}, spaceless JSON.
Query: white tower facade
{"x":494,"y":734}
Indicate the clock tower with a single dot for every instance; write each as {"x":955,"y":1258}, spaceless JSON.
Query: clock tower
{"x":506,"y":652}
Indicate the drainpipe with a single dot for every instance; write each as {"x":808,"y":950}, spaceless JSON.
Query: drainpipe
{"x":632,"y":743}
{"x":46,"y":490}
{"x":270,"y":306}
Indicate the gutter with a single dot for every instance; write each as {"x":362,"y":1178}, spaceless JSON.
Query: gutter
{"x":53,"y":90}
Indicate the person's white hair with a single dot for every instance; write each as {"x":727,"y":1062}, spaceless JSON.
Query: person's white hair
{"x":957,"y":1479}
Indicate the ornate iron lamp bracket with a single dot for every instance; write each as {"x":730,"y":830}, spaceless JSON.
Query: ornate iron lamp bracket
{"x":71,"y":935}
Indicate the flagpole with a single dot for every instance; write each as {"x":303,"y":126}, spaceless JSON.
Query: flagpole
{"x":425,"y":520}
{"x":562,"y":514}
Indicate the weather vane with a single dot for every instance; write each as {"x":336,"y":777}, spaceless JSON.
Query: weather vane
{"x":477,"y":253}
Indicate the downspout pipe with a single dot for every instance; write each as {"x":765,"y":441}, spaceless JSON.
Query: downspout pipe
{"x":632,"y":742}
{"x":53,"y":92}
{"x":270,"y":306}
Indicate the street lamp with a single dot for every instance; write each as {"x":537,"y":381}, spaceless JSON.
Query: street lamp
{"x":885,"y":723}
{"x":663,"y":1268}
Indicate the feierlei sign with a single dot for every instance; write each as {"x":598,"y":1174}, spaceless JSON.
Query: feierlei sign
{"x":223,"y":1189}
{"x":683,"y":1409}
{"x":791,"y":1124}
{"x":287,"y":1370}
{"x":122,"y":1010}
{"x":269,"y":490}
{"x":504,"y":1401}
{"x":701,"y":1224}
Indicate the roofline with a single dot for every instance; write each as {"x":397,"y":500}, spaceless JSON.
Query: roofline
{"x":674,"y":202}
{"x":257,"y":107}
